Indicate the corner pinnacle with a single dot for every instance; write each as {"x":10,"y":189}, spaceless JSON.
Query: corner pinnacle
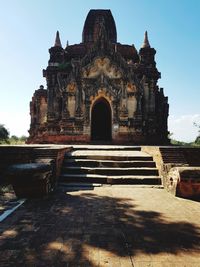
{"x":146,"y":41}
{"x":57,"y":41}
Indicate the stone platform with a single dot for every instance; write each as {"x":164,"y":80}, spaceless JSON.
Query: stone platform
{"x":116,"y":225}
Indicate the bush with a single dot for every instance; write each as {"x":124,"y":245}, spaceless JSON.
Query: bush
{"x":15,"y":140}
{"x":4,"y":134}
{"x":197,"y":141}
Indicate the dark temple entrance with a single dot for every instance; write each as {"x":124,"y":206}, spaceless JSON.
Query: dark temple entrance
{"x":101,"y":121}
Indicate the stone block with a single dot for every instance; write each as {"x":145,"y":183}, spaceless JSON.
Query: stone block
{"x":184,"y":182}
{"x":30,"y":179}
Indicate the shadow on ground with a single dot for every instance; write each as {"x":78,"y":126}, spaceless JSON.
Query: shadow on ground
{"x":79,"y":230}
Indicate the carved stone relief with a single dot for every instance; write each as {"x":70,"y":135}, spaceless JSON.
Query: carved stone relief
{"x":100,"y":67}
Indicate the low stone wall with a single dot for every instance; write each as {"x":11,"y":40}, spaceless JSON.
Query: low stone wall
{"x":60,"y":139}
{"x":13,"y":155}
{"x":27,"y":154}
{"x":192,"y":155}
{"x":154,"y":151}
{"x":56,"y":152}
{"x":178,"y":162}
{"x":172,"y":154}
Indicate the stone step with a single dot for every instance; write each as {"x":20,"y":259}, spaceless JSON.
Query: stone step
{"x":116,"y":152}
{"x":109,"y":157}
{"x":110,"y":171}
{"x":88,"y":186}
{"x":106,"y":148}
{"x":110,"y":179}
{"x":112,"y":165}
{"x":107,"y":163}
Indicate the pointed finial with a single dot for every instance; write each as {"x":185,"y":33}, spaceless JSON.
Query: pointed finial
{"x":67,"y":43}
{"x":146,"y":41}
{"x":57,"y":41}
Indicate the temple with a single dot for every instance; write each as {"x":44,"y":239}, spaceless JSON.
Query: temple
{"x":100,"y":91}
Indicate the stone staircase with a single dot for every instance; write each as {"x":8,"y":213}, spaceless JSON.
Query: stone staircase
{"x":109,"y":165}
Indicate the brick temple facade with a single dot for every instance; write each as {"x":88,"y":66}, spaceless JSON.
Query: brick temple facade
{"x":100,"y":91}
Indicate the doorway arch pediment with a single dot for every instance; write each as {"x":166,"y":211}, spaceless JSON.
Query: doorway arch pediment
{"x":101,"y":93}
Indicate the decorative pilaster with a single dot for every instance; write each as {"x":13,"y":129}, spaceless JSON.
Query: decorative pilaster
{"x":65,"y":111}
{"x":115,"y":111}
{"x":137,"y":119}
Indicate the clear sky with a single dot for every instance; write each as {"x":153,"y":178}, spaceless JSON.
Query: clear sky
{"x":27,"y":31}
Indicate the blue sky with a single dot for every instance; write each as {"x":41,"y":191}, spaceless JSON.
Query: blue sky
{"x":28,"y":30}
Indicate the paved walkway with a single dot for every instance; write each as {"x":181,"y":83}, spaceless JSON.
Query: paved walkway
{"x":105,"y":226}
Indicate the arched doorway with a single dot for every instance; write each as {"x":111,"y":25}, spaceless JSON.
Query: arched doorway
{"x":101,"y":121}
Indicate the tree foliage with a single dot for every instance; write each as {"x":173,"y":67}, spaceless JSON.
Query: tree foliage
{"x":15,"y":140}
{"x":197,"y":140}
{"x":4,"y":134}
{"x":187,"y":144}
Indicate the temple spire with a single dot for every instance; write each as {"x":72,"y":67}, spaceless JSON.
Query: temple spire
{"x":146,"y":41}
{"x":57,"y":41}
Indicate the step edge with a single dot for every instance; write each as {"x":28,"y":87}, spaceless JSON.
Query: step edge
{"x":109,"y":176}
